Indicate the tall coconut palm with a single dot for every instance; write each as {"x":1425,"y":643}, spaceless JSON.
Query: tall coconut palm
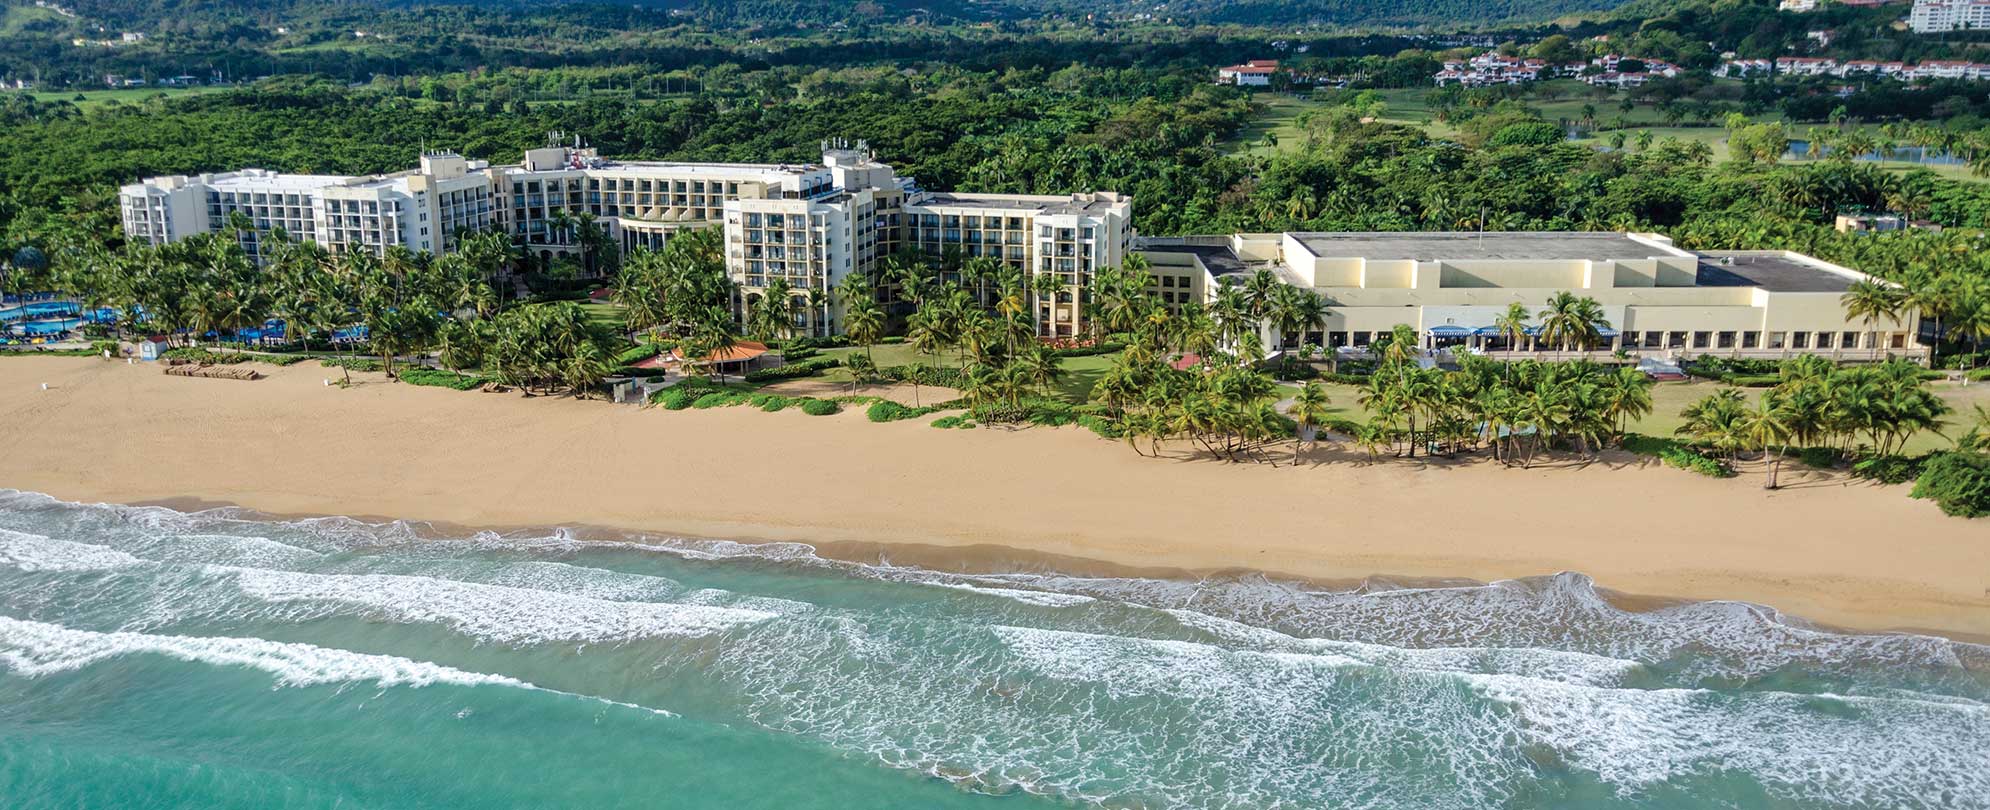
{"x":1308,"y":411}
{"x":1870,"y":301}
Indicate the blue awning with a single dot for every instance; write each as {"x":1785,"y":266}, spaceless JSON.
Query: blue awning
{"x":1605,"y":331}
{"x":1487,"y":331}
{"x":1447,"y":330}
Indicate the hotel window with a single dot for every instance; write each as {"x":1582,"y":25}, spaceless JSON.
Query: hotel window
{"x":1849,"y":340}
{"x":1776,"y":340}
{"x":1700,"y":339}
{"x":1675,"y":339}
{"x":1750,"y":340}
{"x":1654,"y":340}
{"x":1631,"y":339}
{"x":1824,"y":340}
{"x":1726,"y":340}
{"x":1800,"y":340}
{"x":1898,"y":341}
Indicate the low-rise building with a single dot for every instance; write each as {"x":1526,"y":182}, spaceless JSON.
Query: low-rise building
{"x":1254,"y":73}
{"x":1659,"y":300}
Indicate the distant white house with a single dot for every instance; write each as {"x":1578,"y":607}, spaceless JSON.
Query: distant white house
{"x":1254,"y":73}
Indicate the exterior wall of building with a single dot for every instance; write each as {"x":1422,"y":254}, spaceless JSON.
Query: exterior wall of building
{"x":1653,"y":305}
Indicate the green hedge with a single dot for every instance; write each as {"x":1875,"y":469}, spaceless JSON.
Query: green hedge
{"x":1107,"y":347}
{"x":673,"y":399}
{"x":1889,"y":469}
{"x":353,"y":363}
{"x":1676,"y":453}
{"x":197,"y":354}
{"x":1958,"y":482}
{"x":885,"y":410}
{"x":819,"y":407}
{"x":440,"y":378}
{"x":639,"y":353}
{"x":792,"y":370}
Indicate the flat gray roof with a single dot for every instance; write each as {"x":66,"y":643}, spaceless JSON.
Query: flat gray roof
{"x":1058,"y":205}
{"x":1771,"y":272}
{"x":1214,"y":251}
{"x":1458,"y":245}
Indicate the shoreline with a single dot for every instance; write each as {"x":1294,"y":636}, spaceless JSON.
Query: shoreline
{"x":991,"y":558}
{"x":1840,"y":554}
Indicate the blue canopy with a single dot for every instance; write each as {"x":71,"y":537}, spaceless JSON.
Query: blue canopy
{"x":1487,"y":331}
{"x":1447,"y":330}
{"x":1605,"y":331}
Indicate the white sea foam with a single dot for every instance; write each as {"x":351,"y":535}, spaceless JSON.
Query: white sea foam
{"x":1040,"y":598}
{"x":35,"y":649}
{"x":493,"y":613}
{"x":35,"y":553}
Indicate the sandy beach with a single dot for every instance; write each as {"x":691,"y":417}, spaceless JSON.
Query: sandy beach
{"x":1828,"y":548}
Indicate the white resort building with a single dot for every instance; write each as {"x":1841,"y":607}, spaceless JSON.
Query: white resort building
{"x":814,"y":224}
{"x":810,"y":224}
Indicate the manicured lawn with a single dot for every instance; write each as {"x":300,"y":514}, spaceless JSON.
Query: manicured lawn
{"x":613,"y":316}
{"x":1080,"y":373}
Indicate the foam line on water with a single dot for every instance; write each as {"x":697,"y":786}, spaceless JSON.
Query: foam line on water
{"x":505,"y":614}
{"x":32,"y":649}
{"x":38,"y":553}
{"x":494,"y":613}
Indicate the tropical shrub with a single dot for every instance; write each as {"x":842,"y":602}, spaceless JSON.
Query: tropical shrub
{"x":791,"y":371}
{"x":439,"y":378}
{"x":819,"y":407}
{"x":1889,"y":469}
{"x":1958,"y":482}
{"x":351,"y":363}
{"x":1822,"y":458}
{"x":638,"y":353}
{"x":673,"y":399}
{"x":1105,"y":428}
{"x":1677,"y":454}
{"x":950,"y":422}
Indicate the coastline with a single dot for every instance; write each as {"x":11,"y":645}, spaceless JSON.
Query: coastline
{"x":1837,"y":552}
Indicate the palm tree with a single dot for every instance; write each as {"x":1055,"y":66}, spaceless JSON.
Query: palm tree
{"x":863,"y":321}
{"x":1870,"y":300}
{"x":1763,"y":427}
{"x":1513,"y":325}
{"x":1308,"y":411}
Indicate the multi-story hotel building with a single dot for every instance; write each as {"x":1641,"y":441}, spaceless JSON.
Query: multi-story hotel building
{"x":1938,"y":16}
{"x":422,"y":210}
{"x":809,"y":224}
{"x":1453,"y":287}
{"x":812,"y":225}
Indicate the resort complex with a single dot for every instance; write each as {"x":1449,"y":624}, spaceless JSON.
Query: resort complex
{"x":813,"y":225}
{"x":808,"y":224}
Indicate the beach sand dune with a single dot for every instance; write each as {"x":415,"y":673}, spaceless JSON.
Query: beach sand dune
{"x":1831,"y":549}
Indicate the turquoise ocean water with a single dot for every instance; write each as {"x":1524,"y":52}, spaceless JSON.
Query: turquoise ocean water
{"x":160,"y":659}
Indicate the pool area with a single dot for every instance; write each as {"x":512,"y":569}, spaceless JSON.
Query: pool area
{"x":39,"y":309}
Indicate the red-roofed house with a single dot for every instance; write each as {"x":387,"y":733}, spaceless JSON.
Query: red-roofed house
{"x":1255,"y":73}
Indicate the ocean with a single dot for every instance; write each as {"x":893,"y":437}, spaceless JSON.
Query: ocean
{"x":217,"y":659}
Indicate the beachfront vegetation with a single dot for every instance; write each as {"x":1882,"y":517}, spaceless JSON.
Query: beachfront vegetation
{"x":1876,"y":408}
